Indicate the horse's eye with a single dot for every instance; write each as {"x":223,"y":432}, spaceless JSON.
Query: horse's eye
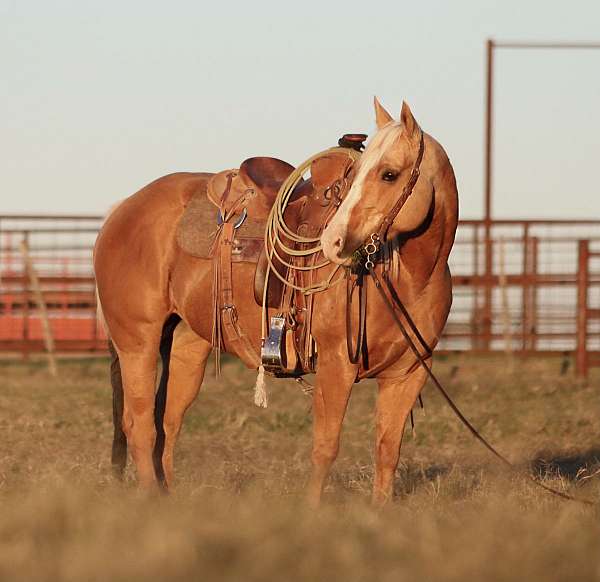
{"x":389,"y":176}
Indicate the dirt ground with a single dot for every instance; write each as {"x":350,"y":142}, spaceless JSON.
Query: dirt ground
{"x":238,"y":513}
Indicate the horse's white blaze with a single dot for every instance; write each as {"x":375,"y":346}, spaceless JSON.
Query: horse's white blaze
{"x":375,"y":150}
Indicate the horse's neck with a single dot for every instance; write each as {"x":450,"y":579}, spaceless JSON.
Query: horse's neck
{"x":424,"y":254}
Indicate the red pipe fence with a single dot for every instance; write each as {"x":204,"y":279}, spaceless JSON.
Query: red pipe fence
{"x":531,"y":286}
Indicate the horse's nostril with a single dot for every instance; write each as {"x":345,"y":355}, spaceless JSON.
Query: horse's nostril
{"x":338,"y":245}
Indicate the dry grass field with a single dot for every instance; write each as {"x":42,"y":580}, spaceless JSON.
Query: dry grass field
{"x":238,"y":512}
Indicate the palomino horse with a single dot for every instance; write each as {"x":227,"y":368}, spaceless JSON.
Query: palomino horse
{"x":147,"y":285}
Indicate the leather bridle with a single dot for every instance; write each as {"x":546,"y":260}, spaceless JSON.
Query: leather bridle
{"x":404,"y":322}
{"x":369,"y":250}
{"x":406,"y":192}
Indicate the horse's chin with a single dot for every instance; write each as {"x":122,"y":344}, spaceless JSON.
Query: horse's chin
{"x":344,"y":262}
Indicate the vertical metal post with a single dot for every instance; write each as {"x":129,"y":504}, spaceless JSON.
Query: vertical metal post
{"x":487,"y":304}
{"x":25,"y":295}
{"x":475,"y":313}
{"x":526,"y":296}
{"x":489,"y":110}
{"x":581,"y":359}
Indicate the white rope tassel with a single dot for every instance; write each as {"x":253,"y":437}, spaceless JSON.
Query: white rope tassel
{"x":260,"y":389}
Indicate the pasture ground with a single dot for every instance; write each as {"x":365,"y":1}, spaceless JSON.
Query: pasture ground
{"x":238,"y":512}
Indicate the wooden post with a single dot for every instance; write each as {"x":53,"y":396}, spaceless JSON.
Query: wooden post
{"x":529,"y":297}
{"x":39,"y":299}
{"x":581,"y":359}
{"x":533,"y":293}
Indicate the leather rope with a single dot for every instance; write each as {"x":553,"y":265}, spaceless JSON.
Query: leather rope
{"x":396,"y":304}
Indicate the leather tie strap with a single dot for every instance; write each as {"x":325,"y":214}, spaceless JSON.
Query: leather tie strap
{"x":232,"y":336}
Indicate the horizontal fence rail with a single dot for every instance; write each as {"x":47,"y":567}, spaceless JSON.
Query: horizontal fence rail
{"x":520,"y":286}
{"x":60,"y":248}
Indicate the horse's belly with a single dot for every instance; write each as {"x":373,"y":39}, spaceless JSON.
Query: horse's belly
{"x":192,"y":295}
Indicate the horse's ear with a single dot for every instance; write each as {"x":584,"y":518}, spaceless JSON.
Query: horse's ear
{"x":382,"y":117}
{"x":409,"y":123}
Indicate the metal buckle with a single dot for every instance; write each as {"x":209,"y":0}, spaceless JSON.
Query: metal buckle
{"x":238,"y":223}
{"x":371,"y":249}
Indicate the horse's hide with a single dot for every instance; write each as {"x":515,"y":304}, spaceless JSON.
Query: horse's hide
{"x":197,"y":229}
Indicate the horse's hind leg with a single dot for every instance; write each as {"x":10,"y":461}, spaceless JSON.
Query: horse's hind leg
{"x":119,"y":446}
{"x":138,"y":360}
{"x":189,"y":354}
{"x":394,"y":402}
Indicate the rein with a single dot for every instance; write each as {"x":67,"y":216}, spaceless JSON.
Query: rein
{"x":355,"y":354}
{"x":394,"y":306}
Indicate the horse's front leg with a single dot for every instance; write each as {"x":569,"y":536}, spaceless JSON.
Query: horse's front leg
{"x":335,"y":376}
{"x":394,"y":402}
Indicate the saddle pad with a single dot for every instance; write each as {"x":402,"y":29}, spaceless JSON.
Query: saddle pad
{"x":197,"y":229}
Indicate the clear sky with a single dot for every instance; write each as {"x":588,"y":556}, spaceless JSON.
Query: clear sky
{"x":99,"y":98}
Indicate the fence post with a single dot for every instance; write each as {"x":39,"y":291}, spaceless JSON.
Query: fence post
{"x":581,"y":362}
{"x":476,"y":310}
{"x":25,"y":295}
{"x":504,"y":300}
{"x":488,"y":291}
{"x":39,"y":299}
{"x":533,"y":291}
{"x":525,"y":295}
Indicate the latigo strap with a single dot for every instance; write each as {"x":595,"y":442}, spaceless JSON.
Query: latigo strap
{"x":229,"y":334}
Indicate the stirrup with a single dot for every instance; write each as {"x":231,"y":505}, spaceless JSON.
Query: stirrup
{"x":273,"y":353}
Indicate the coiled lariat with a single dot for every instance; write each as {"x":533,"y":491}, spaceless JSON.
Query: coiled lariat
{"x":281,"y":241}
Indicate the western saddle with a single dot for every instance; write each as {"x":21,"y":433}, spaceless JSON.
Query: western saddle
{"x":243,"y":199}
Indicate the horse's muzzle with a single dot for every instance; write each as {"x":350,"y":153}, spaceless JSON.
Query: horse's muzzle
{"x":334,"y":245}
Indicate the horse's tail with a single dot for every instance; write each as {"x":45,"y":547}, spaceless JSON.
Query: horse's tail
{"x":160,"y":402}
{"x":119,"y":446}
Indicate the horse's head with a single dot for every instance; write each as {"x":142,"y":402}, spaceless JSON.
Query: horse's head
{"x":376,"y":202}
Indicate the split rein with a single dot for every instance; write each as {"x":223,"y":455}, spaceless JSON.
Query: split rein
{"x":395,"y":307}
{"x":277,"y":237}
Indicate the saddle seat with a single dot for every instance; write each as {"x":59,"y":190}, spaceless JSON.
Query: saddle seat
{"x":254,"y":186}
